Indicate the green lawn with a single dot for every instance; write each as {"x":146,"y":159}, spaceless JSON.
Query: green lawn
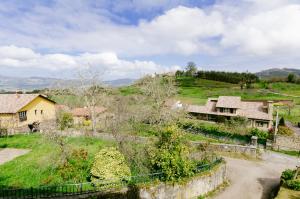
{"x":39,"y":167}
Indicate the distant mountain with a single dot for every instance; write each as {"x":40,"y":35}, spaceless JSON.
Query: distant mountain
{"x":277,"y":72}
{"x":32,"y":83}
{"x":120,"y":82}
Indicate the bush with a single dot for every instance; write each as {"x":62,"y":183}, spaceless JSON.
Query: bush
{"x":109,"y":164}
{"x":237,"y":122}
{"x":76,"y":168}
{"x":64,"y":120}
{"x":288,"y":181}
{"x":284,"y":130}
{"x":171,"y":155}
{"x":220,"y":119}
{"x":293,"y":184}
{"x":87,"y":123}
{"x":287,"y":175}
{"x":3,"y":132}
{"x":281,"y":122}
{"x":259,"y":133}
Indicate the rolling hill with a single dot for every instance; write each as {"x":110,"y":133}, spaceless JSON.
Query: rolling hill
{"x":277,"y":72}
{"x":30,"y":83}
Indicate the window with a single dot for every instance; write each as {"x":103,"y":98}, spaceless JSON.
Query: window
{"x":41,"y":112}
{"x":23,"y":116}
{"x":259,"y":124}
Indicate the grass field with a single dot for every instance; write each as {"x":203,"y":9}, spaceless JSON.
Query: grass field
{"x":38,"y":167}
{"x":196,"y":91}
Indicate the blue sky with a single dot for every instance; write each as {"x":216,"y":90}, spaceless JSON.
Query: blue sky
{"x":131,"y":38}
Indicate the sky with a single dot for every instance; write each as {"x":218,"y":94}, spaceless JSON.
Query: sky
{"x":131,"y":38}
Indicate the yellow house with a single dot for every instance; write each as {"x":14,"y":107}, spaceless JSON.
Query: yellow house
{"x":22,"y":109}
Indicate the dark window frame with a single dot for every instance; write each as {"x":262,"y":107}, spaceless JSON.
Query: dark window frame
{"x":23,"y":116}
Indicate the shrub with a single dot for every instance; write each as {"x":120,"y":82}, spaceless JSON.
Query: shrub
{"x":171,"y":155}
{"x":287,"y":175}
{"x":281,"y":122}
{"x":237,"y":122}
{"x":284,"y":130}
{"x":76,"y":167}
{"x":64,"y":120}
{"x":109,"y":164}
{"x":293,"y":184}
{"x":3,"y":132}
{"x":288,"y":181}
{"x":220,"y":119}
{"x":259,"y":133}
{"x":87,"y":123}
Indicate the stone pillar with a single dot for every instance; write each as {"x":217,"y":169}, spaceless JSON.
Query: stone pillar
{"x":254,"y":141}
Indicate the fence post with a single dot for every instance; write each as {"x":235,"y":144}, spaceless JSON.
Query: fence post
{"x":80,"y":187}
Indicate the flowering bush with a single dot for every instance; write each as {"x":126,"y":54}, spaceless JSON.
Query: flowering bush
{"x":109,"y":164}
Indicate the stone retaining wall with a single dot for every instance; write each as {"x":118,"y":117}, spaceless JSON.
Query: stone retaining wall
{"x":197,"y":186}
{"x":249,"y":150}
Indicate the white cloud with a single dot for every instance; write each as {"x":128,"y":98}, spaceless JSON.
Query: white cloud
{"x":239,"y":31}
{"x":107,"y":62}
{"x":266,"y":32}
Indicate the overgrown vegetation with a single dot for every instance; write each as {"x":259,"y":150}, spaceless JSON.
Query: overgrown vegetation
{"x":291,"y":179}
{"x":44,"y":164}
{"x":171,"y":155}
{"x":224,"y":131}
{"x":64,"y":120}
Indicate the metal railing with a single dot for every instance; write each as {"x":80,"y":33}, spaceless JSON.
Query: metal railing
{"x":88,"y":187}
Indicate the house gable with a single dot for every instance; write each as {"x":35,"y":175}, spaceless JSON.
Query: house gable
{"x":39,"y":109}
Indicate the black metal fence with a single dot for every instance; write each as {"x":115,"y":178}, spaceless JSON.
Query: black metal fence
{"x":88,"y":187}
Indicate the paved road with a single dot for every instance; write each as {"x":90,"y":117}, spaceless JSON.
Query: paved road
{"x":8,"y":154}
{"x":255,"y":179}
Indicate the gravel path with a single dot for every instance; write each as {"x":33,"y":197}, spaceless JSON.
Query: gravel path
{"x":8,"y":154}
{"x":255,"y":179}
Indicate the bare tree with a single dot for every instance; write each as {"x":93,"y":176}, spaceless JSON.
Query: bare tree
{"x":159,"y":90}
{"x":93,"y":92}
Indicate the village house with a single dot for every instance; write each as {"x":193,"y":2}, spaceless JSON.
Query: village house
{"x":18,"y":110}
{"x":80,"y":115}
{"x":258,"y":113}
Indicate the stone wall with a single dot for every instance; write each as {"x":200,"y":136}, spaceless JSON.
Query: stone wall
{"x":197,"y":186}
{"x":249,"y":149}
{"x":287,"y":142}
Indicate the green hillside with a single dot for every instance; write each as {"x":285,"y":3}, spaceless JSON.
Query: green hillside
{"x":196,"y":91}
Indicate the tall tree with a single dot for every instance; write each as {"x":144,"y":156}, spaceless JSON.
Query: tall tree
{"x":291,"y":78}
{"x":191,"y":69}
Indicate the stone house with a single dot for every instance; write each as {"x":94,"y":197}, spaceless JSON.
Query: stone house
{"x":84,"y":114}
{"x":258,"y":113}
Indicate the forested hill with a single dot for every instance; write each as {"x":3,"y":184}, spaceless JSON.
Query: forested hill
{"x":277,"y":72}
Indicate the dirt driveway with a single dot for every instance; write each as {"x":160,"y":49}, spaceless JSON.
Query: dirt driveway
{"x":255,"y":179}
{"x":9,"y":154}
